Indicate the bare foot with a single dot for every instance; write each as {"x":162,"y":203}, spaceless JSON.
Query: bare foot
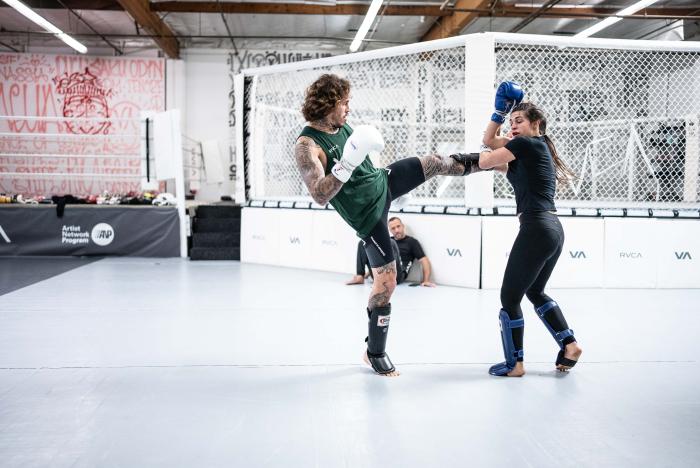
{"x":518,"y":370}
{"x":571,"y":351}
{"x":393,"y":373}
{"x":357,"y":279}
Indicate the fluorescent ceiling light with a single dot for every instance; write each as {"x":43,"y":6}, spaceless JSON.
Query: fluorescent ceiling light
{"x":630,"y":10}
{"x":33,"y":16}
{"x":366,"y":23}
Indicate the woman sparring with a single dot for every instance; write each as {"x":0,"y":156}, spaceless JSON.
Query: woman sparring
{"x":534,"y":168}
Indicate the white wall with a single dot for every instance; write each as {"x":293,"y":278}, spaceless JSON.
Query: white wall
{"x":207,"y":85}
{"x":209,"y":99}
{"x":597,"y":252}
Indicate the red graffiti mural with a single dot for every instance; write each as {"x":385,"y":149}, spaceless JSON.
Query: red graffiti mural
{"x":85,"y":97}
{"x":74,"y":116}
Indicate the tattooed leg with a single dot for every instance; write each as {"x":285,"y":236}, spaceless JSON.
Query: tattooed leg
{"x":379,"y":312}
{"x":437,"y":165}
{"x":384,"y":285}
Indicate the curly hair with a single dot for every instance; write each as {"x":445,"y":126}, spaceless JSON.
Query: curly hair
{"x":323,"y":95}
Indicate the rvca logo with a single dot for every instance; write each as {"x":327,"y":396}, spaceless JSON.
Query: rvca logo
{"x":683,"y":256}
{"x":577,"y":254}
{"x":295,"y":240}
{"x":630,"y":255}
{"x":454,"y":252}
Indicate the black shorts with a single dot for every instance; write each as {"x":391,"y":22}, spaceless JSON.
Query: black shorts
{"x":404,"y":176}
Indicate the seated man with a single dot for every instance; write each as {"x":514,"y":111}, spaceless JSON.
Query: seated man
{"x":406,"y":249}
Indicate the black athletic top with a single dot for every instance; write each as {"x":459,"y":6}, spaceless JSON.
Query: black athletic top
{"x":532,"y":174}
{"x":410,"y":250}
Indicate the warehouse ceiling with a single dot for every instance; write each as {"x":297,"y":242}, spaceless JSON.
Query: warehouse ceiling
{"x":170,"y":28}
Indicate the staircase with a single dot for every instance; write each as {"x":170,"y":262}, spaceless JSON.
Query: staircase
{"x":216,"y":232}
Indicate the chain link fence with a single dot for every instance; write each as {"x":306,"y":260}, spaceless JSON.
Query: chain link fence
{"x":625,"y":121}
{"x":416,"y":101}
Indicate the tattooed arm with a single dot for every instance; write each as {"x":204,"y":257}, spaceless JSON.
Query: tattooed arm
{"x":307,"y":154}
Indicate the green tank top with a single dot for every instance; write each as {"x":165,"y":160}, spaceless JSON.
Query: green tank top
{"x":361,"y":200}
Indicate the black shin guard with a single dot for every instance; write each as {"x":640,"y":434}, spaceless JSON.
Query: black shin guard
{"x":376,"y":339}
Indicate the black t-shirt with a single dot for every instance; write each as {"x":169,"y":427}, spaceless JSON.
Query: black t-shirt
{"x":532,"y":174}
{"x":410,"y":250}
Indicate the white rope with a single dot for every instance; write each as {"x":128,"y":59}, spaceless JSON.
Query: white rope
{"x":52,"y":155}
{"x":68,"y":119}
{"x":42,"y":135}
{"x":52,"y":175}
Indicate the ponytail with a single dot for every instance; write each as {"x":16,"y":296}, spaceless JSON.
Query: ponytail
{"x":535,"y":114}
{"x":564,"y":174}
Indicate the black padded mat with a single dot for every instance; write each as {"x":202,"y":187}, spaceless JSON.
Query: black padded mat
{"x":20,"y":272}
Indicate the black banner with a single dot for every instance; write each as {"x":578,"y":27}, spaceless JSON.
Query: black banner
{"x":138,"y":231}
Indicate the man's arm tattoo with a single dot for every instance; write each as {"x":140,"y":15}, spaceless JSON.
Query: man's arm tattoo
{"x":321,"y":188}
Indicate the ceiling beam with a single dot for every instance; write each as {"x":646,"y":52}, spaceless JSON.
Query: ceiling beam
{"x":281,"y":8}
{"x":453,"y":24}
{"x":75,"y":4}
{"x":162,"y":34}
{"x":499,"y":11}
{"x":533,"y":16}
{"x":587,"y":12}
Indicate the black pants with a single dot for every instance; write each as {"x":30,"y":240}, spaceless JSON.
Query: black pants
{"x":404,"y":176}
{"x":532,"y":259}
{"x":363,"y":261}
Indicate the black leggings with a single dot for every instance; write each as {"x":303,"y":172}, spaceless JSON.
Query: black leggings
{"x":532,"y":259}
{"x":404,"y":176}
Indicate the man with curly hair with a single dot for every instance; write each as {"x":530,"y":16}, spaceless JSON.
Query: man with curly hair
{"x":332,"y":159}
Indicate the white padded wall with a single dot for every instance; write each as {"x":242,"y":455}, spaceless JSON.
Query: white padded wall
{"x":678,"y":253}
{"x":260,"y":236}
{"x":295,"y":238}
{"x":631,"y":247}
{"x":452,"y":243}
{"x":334,"y":243}
{"x":498,"y":234}
{"x":580,"y":264}
{"x":598,"y":252}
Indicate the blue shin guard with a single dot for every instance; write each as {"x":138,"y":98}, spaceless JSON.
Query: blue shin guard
{"x":559,"y":336}
{"x":511,"y":354}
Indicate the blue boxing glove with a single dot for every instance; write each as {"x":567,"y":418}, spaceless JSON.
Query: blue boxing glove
{"x":508,"y":95}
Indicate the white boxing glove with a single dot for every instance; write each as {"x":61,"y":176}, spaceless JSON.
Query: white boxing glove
{"x":364,"y":139}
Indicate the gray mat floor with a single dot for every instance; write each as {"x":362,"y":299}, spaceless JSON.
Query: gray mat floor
{"x":171,"y":363}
